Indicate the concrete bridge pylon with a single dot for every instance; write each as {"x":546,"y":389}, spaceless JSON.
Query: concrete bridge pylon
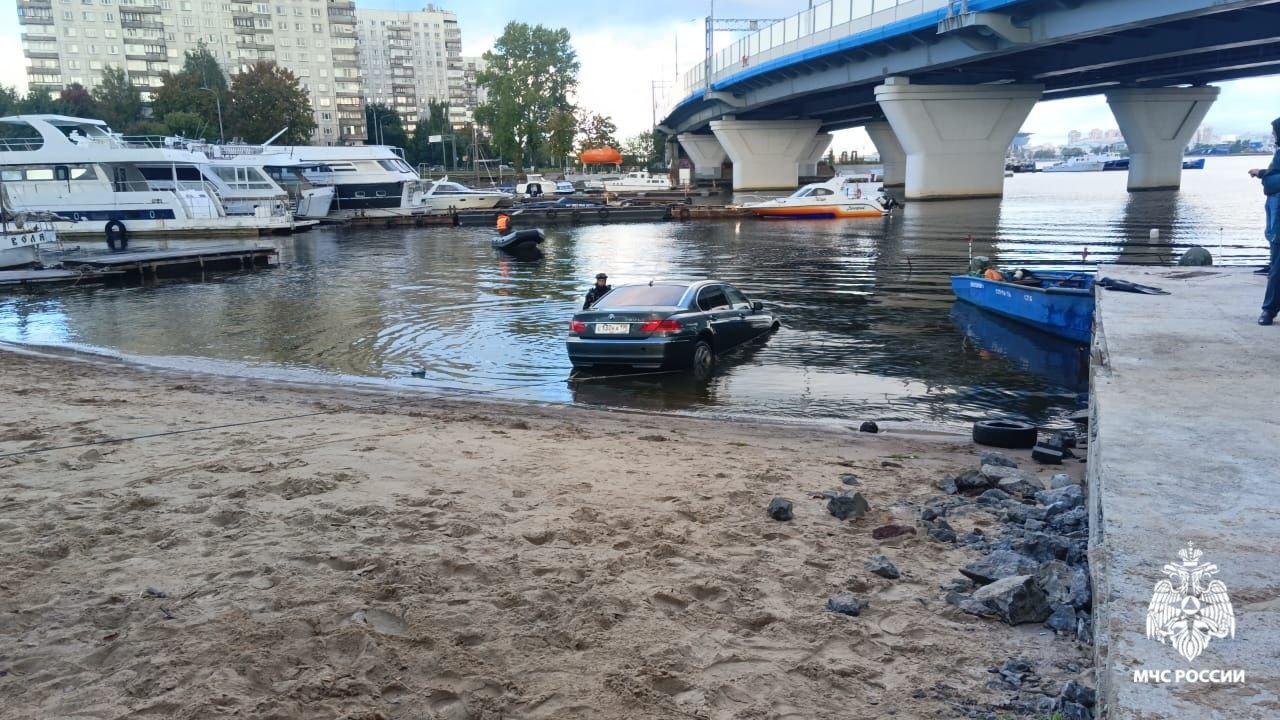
{"x":813,"y":155}
{"x":955,"y":136}
{"x":892,"y":156}
{"x":705,"y":152}
{"x":1157,"y":124}
{"x":766,"y":154}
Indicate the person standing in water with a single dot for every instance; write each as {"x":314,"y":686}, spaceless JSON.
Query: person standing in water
{"x":1270,"y":177}
{"x":597,"y":291}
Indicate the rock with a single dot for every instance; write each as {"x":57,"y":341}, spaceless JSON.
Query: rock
{"x":1046,"y":455}
{"x":1032,"y":524}
{"x":849,"y":479}
{"x":1063,"y":620}
{"x":1015,"y":671}
{"x":890,"y":531}
{"x":970,"y":480}
{"x":845,"y":604}
{"x":991,"y":457}
{"x":1073,"y":711}
{"x":868,"y":427}
{"x":973,"y":537}
{"x":780,"y":509}
{"x":1065,"y":439}
{"x":929,"y":514}
{"x":993,"y":496}
{"x":1073,"y":691}
{"x":1061,"y":480}
{"x":843,"y":506}
{"x":152,"y":592}
{"x":1021,"y":485}
{"x":975,"y":607}
{"x":1064,"y":584}
{"x":998,"y":565}
{"x":883,"y":566}
{"x":1015,"y":600}
{"x":996,"y":473}
{"x":1063,"y":498}
{"x":940,"y":530}
{"x":946,"y":484}
{"x":1196,"y":256}
{"x":1043,"y":547}
{"x":1073,"y":520}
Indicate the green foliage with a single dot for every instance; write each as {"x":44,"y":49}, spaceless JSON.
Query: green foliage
{"x":266,"y":99}
{"x":9,"y":100}
{"x":119,"y":100}
{"x":420,"y":150}
{"x":531,"y":72}
{"x":146,"y":127}
{"x":1071,"y":152}
{"x":188,"y":125}
{"x":383,"y":126}
{"x":595,"y":131}
{"x":37,"y":102}
{"x":560,"y":131}
{"x":198,"y":88}
{"x":648,"y":149}
{"x":76,"y":101}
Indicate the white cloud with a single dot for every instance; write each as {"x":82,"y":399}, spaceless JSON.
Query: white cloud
{"x":13,"y":68}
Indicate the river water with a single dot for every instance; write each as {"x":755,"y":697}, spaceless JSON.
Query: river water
{"x":869,"y":327}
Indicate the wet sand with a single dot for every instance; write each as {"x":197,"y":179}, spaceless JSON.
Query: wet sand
{"x":451,"y":559}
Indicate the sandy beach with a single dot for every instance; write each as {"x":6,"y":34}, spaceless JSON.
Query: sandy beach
{"x":451,"y":559}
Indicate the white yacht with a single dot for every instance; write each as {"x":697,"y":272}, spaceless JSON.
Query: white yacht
{"x":536,"y":185}
{"x":638,"y":181}
{"x":306,"y":199}
{"x":1081,"y":163}
{"x":442,"y":196}
{"x":368,"y":180}
{"x":840,"y":197}
{"x":100,"y":182}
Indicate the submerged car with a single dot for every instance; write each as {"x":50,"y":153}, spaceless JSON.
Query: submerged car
{"x":666,"y":325}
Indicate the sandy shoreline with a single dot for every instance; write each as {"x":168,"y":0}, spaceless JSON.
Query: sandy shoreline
{"x":454,"y":559}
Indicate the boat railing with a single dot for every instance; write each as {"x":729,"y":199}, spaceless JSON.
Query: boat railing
{"x":26,"y":144}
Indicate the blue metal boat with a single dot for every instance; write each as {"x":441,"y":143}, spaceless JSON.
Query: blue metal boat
{"x":1056,"y":302}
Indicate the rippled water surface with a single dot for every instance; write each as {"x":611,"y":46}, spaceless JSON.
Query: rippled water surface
{"x":869,"y":326}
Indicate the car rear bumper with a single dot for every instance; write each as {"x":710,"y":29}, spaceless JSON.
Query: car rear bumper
{"x":659,"y":352}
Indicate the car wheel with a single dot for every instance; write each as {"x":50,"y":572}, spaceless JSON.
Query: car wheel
{"x":704,"y":361}
{"x":1004,"y":433}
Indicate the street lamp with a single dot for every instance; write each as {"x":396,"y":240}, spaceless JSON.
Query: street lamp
{"x":217,"y":99}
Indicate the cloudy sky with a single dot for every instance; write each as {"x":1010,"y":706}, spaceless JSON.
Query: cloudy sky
{"x":627,"y":47}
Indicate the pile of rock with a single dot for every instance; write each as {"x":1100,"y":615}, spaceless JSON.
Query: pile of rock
{"x":1038,"y":696}
{"x":1037,"y":569}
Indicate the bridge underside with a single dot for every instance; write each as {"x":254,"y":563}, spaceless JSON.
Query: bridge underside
{"x":1080,"y":47}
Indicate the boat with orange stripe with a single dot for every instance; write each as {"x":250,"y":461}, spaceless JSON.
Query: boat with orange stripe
{"x":840,"y":197}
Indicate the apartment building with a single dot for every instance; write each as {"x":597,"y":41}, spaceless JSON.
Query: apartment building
{"x":408,"y":59}
{"x":69,"y":41}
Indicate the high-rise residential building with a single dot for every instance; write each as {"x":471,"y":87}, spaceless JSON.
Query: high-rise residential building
{"x":410,"y":58}
{"x":68,"y":41}
{"x":474,"y":93}
{"x":1074,"y":137}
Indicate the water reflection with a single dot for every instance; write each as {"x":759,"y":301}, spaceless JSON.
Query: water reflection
{"x":866,"y":306}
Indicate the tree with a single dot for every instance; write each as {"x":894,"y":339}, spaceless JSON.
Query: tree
{"x":9,"y":101}
{"x":531,"y":72}
{"x":119,"y":100}
{"x":1070,"y":152}
{"x":420,"y":149}
{"x":265,"y":99}
{"x":595,"y":131}
{"x":560,"y":132}
{"x":37,"y":102}
{"x":76,"y":101}
{"x":199,"y":87}
{"x":188,"y":125}
{"x":383,"y":126}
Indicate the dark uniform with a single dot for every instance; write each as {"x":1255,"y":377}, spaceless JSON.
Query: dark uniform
{"x":596,"y":292}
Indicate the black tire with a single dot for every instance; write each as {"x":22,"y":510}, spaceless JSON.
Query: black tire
{"x":576,"y":216}
{"x":603,"y":214}
{"x":117,"y":235}
{"x":703,"y":362}
{"x":1005,"y":434}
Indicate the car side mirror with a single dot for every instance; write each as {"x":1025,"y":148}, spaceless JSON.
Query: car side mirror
{"x":756,"y":306}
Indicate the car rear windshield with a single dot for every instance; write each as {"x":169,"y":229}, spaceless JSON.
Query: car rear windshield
{"x":642,"y":296}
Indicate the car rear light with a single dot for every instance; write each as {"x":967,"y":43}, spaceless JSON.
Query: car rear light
{"x":577,"y":327}
{"x":661,"y":326}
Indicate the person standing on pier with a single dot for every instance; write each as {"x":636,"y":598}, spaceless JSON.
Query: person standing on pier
{"x":1270,"y":178}
{"x":597,"y":291}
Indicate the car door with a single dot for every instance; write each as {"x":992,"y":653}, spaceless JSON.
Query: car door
{"x":750,"y":324}
{"x":720,"y":315}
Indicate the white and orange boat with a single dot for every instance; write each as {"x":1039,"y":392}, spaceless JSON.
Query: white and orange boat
{"x":840,"y":197}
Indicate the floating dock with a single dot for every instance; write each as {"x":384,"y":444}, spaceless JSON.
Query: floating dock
{"x":566,"y":215}
{"x":1184,"y":441}
{"x":35,"y":279}
{"x":172,"y":263}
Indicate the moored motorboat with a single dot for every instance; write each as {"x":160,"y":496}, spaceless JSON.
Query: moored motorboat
{"x":840,"y":197}
{"x":444,"y":196}
{"x":1057,"y":302}
{"x":22,"y":235}
{"x":639,"y":181}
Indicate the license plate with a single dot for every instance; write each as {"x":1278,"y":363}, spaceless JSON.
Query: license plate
{"x":613,"y":328}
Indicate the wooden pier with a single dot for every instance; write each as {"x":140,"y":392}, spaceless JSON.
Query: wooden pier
{"x":174,"y":263}
{"x":36,"y":279}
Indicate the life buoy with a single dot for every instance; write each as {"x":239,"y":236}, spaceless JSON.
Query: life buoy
{"x":603,"y":214}
{"x":685,"y":212}
{"x":117,"y":235}
{"x":576,"y":216}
